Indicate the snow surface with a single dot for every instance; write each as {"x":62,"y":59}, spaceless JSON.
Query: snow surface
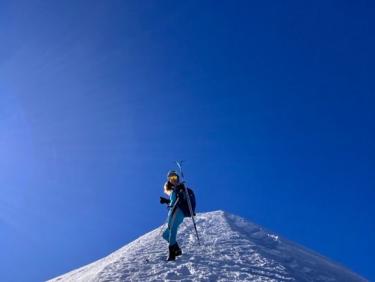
{"x":233,"y":249}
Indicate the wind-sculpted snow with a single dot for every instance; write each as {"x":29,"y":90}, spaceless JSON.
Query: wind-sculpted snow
{"x":232,"y":249}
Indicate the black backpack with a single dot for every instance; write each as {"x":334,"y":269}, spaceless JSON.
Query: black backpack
{"x":182,"y":200}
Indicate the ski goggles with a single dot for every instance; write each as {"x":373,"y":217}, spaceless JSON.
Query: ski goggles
{"x":173,"y":177}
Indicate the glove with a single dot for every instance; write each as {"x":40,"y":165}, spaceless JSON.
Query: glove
{"x":164,"y":200}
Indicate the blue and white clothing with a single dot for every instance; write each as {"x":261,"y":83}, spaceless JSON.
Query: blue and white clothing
{"x":175,"y":218}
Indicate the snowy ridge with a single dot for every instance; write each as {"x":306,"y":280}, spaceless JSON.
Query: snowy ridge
{"x":233,"y":249}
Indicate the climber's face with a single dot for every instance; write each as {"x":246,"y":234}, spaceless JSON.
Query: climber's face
{"x":173,"y":179}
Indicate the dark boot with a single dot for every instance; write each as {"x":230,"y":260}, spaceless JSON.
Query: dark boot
{"x":177,"y":250}
{"x":172,"y":254}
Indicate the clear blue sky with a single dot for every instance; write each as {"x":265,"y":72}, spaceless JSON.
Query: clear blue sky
{"x":270,"y":102}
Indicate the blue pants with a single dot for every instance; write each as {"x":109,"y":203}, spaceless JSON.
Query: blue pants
{"x":174,"y":222}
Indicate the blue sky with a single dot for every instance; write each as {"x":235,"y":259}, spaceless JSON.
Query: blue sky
{"x":271,"y":104}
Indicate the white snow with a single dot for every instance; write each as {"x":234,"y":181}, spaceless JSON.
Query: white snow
{"x":233,"y":249}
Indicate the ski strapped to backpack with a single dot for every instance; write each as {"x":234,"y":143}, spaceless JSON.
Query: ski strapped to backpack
{"x":183,"y":199}
{"x":189,"y":200}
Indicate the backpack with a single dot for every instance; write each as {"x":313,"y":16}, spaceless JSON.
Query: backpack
{"x":183,"y":203}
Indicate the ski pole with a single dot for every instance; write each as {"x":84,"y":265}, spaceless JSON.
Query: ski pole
{"x":160,"y":232}
{"x":179,"y":164}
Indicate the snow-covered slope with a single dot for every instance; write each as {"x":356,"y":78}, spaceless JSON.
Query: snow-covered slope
{"x":233,"y":249}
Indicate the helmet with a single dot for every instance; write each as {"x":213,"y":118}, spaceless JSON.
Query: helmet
{"x":172,"y":173}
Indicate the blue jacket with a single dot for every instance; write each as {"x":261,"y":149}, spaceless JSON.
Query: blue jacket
{"x":173,"y":199}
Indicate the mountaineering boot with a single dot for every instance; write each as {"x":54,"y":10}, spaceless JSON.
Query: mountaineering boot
{"x":172,"y":254}
{"x":177,"y":250}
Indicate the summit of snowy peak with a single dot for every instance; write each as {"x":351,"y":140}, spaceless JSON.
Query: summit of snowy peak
{"x":232,"y":249}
